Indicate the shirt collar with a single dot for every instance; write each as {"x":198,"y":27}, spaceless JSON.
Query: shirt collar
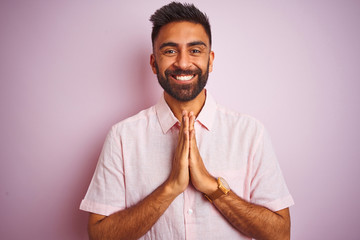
{"x":167,"y":119}
{"x":207,"y":114}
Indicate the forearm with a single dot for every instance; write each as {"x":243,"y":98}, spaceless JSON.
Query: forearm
{"x":253,"y":220}
{"x":133,"y":222}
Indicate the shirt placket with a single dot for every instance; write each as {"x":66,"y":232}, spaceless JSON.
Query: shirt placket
{"x":190,"y":210}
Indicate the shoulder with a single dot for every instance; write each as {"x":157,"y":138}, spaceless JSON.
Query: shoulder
{"x":142,"y":118}
{"x":243,"y":129}
{"x":237,"y":119}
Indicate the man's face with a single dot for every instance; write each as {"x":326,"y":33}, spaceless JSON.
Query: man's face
{"x":182,"y":59}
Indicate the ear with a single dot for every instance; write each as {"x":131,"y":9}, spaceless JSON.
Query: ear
{"x":211,"y":60}
{"x":152,"y":63}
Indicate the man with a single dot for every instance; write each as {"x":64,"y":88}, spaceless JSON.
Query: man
{"x":187,"y":168}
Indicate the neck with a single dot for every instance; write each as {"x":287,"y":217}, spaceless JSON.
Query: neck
{"x":177,"y":107}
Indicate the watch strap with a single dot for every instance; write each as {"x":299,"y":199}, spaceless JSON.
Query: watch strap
{"x":222,"y":190}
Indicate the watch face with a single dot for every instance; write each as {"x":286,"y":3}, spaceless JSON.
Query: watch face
{"x":224,"y":183}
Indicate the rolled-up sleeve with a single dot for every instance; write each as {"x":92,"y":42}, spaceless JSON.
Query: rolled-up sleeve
{"x":106,"y":193}
{"x":268,"y":187}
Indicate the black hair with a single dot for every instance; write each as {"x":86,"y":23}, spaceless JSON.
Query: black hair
{"x":178,"y":12}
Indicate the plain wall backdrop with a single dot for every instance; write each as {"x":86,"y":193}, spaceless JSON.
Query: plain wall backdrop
{"x":69,"y":70}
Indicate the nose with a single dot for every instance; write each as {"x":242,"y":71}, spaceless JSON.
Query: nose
{"x":183,"y":60}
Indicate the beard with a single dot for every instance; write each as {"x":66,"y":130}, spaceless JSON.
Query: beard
{"x":183,"y":92}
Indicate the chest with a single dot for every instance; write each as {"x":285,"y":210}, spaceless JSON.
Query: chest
{"x":148,"y":159}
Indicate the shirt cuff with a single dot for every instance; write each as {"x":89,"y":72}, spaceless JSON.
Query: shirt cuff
{"x":280,"y":204}
{"x":98,"y":208}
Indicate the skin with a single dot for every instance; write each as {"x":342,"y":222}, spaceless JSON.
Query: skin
{"x":187,"y":166}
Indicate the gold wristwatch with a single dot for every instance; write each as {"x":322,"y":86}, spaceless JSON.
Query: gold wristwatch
{"x":223,"y":189}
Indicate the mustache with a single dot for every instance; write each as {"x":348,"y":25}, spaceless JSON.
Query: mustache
{"x":183,"y":72}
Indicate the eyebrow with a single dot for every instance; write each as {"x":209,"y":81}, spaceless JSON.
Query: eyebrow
{"x":190,"y":44}
{"x":196,"y":43}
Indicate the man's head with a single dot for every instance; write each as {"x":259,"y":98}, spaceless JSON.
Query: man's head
{"x":182,"y":56}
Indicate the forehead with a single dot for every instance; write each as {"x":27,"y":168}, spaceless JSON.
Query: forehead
{"x":181,"y":33}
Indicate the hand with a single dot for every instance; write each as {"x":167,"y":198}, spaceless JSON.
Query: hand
{"x":200,"y":177}
{"x":179,"y":175}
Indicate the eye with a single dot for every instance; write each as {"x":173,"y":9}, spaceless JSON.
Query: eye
{"x":195,"y":51}
{"x":169,"y":52}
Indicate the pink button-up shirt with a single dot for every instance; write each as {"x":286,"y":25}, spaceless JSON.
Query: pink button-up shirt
{"x":137,"y":158}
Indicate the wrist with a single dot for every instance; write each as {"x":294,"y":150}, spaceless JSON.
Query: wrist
{"x":221,"y":190}
{"x":172,"y":189}
{"x":211,"y":186}
{"x":169,"y":191}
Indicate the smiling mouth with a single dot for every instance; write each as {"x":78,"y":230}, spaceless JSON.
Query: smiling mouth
{"x":183,"y":77}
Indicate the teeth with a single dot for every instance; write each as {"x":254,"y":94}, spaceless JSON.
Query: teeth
{"x":184,"y":78}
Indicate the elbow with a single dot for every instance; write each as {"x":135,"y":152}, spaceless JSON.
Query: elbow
{"x":282,"y":232}
{"x":94,"y":228}
{"x":92,"y":233}
{"x":285,"y":231}
{"x":284,"y":236}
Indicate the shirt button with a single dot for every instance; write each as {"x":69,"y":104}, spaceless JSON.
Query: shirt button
{"x":190,"y":211}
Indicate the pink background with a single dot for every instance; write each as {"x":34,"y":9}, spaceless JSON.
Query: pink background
{"x":71,"y":69}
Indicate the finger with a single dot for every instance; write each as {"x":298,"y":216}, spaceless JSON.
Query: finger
{"x":182,"y":127}
{"x":184,"y":135}
{"x":191,"y":121}
{"x":192,"y":138}
{"x":186,"y":131}
{"x":192,"y":130}
{"x":194,"y":151}
{"x":184,"y":145}
{"x":185,"y":121}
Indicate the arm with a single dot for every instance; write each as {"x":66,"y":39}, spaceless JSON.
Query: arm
{"x":252,"y":220}
{"x":135,"y":221}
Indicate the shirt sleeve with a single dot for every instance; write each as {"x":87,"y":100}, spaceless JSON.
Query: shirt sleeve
{"x":106,"y":193}
{"x":268,"y":187}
